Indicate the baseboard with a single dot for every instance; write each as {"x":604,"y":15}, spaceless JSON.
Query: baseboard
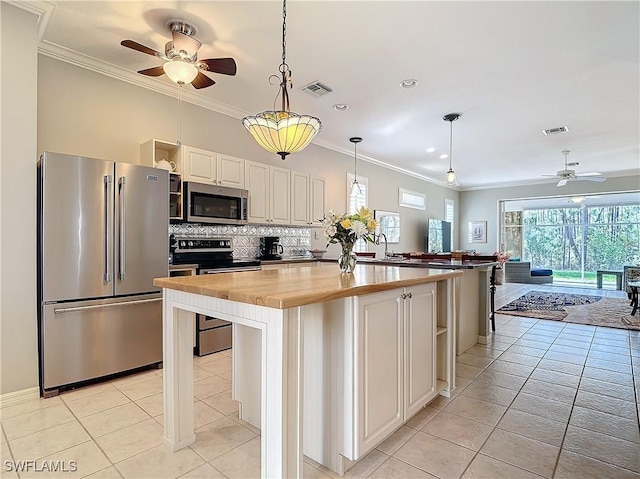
{"x":483,"y":340}
{"x":16,"y":397}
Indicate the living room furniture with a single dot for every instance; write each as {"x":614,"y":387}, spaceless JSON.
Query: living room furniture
{"x":634,"y":285}
{"x":521,"y":272}
{"x":631,"y":273}
{"x":618,"y":274}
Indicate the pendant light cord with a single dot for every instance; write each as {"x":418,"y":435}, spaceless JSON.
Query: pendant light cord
{"x":355,"y":162}
{"x":450,"y":144}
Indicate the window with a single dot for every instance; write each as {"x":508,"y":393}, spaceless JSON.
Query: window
{"x":450,"y":215}
{"x":412,"y":199}
{"x":357,"y":198}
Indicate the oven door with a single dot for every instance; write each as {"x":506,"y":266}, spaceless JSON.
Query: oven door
{"x":215,"y":204}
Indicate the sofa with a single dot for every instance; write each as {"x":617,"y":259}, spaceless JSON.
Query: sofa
{"x":521,"y":272}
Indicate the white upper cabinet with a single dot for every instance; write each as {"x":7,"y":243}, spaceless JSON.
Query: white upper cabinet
{"x":209,"y":167}
{"x":269,"y":193}
{"x":307,"y":199}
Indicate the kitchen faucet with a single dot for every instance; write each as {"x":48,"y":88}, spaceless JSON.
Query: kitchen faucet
{"x":386,"y":252}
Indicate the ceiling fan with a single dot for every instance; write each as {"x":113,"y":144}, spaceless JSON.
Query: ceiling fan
{"x":567,"y":174}
{"x":181,"y":58}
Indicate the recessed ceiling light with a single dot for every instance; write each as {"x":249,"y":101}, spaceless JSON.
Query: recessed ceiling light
{"x":431,"y":149}
{"x":443,"y":156}
{"x":408,"y":83}
{"x":340,"y":107}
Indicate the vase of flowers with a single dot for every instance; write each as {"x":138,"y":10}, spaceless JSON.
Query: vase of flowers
{"x":502,"y":258}
{"x":346,"y":230}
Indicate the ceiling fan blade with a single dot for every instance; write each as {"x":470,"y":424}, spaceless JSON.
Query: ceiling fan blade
{"x":202,"y":81}
{"x":140,"y":48}
{"x":226,"y":66}
{"x":589,"y":173}
{"x":562,"y":182}
{"x":185,"y":43}
{"x":599,"y":179}
{"x":153,"y":72}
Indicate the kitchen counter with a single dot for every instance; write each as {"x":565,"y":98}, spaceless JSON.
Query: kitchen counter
{"x":290,"y":259}
{"x":437,"y":264}
{"x":278,"y":317}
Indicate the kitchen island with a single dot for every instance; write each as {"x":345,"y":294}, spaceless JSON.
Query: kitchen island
{"x":362,"y":352}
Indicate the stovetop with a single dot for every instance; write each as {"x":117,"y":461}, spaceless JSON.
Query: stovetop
{"x":207,"y":253}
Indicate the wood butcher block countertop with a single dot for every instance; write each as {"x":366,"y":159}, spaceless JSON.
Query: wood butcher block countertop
{"x":288,"y":288}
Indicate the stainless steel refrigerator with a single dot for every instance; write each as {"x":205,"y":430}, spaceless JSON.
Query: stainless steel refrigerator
{"x":102,"y":238}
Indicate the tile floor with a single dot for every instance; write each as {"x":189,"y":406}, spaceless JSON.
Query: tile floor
{"x":543,"y":399}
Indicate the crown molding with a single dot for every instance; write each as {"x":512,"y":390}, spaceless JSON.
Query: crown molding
{"x":43,"y":10}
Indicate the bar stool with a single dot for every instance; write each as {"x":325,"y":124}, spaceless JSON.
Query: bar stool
{"x":492,"y":282}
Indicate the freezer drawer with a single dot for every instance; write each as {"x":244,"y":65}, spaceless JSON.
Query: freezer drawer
{"x":90,"y":339}
{"x":213,"y":340}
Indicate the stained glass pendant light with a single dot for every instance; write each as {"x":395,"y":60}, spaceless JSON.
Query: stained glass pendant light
{"x":450,"y":178}
{"x":282,"y":131}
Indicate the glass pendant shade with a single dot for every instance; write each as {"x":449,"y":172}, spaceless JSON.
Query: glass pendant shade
{"x":450,"y":178}
{"x":282,"y":132}
{"x":180,"y":72}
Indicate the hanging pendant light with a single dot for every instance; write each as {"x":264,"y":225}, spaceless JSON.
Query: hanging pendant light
{"x":282,"y":131}
{"x":355,"y":186}
{"x":450,"y":177}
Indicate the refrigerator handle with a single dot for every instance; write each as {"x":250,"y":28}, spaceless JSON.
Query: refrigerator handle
{"x":108,"y":222}
{"x":121,"y":182}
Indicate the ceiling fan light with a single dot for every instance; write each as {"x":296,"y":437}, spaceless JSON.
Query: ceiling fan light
{"x":450,"y":178}
{"x":282,"y":132}
{"x":180,"y":72}
{"x":578,"y":199}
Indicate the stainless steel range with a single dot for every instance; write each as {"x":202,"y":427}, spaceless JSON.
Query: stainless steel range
{"x":212,"y":255}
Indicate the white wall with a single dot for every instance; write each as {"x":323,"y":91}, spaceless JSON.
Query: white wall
{"x":482,"y":205}
{"x":18,"y":326}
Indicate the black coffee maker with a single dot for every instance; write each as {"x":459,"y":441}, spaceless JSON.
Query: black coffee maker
{"x":270,"y":247}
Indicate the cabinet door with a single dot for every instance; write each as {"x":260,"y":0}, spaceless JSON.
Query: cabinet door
{"x":280,"y":185}
{"x":299,"y":198}
{"x":230,"y":171}
{"x":317,"y":201}
{"x":420,"y":347}
{"x":378,"y":368}
{"x":256,"y":176}
{"x":198,"y":165}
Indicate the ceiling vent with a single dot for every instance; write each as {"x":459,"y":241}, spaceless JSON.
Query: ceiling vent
{"x":555,"y":131}
{"x":316,"y":89}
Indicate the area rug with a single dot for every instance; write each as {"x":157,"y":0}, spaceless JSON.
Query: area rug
{"x":574,"y":308}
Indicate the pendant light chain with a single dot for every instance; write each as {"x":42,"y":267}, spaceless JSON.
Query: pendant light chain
{"x":284,"y":67}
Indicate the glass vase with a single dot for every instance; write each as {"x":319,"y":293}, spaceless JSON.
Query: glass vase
{"x":347,"y":260}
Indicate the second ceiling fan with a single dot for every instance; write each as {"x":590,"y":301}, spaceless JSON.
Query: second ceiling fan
{"x":568,"y":174}
{"x":181,"y":58}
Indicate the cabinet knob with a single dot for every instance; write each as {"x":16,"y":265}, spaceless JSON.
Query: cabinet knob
{"x":403,"y":296}
{"x":410,"y":295}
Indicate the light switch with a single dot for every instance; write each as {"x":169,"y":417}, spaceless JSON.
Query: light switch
{"x":317,"y":236}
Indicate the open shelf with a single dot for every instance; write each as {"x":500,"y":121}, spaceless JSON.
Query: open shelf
{"x":441,"y":386}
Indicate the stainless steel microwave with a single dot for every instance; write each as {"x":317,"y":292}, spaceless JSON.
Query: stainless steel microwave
{"x":214,"y":204}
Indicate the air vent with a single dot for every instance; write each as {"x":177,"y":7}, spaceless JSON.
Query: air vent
{"x":316,"y":89}
{"x":555,"y":131}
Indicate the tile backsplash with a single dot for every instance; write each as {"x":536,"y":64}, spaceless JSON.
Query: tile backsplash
{"x":295,"y":241}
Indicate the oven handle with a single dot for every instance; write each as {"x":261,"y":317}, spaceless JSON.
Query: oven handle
{"x":230,"y":270}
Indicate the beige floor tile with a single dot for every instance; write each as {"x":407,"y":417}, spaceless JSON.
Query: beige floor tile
{"x":29,"y":405}
{"x":475,"y":409}
{"x":113,"y":419}
{"x":484,"y":351}
{"x":605,"y":423}
{"x":504,"y":380}
{"x":220,"y":437}
{"x":462,"y":383}
{"x":201,"y":373}
{"x":545,"y":407}
{"x":141,"y":389}
{"x":609,"y":365}
{"x":548,"y":390}
{"x":532,"y":343}
{"x":219,"y":365}
{"x":608,"y":376}
{"x":610,"y":356}
{"x":445,"y":459}
{"x":241,"y":462}
{"x":560,"y":366}
{"x":533,"y":426}
{"x":607,"y":389}
{"x":526,"y":350}
{"x":223,"y":402}
{"x":210,"y":387}
{"x":572,"y":465}
{"x":466,"y":371}
{"x":566,"y":358}
{"x":396,"y":440}
{"x":522,"y":452}
{"x":159,"y":462}
{"x":562,"y":341}
{"x":79,"y":461}
{"x":86,"y":391}
{"x":206,"y":471}
{"x":423,"y":417}
{"x":49,"y":441}
{"x":474,"y":360}
{"x":153,"y":405}
{"x":607,"y":404}
{"x":131,"y":440}
{"x":394,"y":469}
{"x":610,"y":349}
{"x":555,"y":377}
{"x":203,"y":414}
{"x":605,"y":448}
{"x":485,"y":467}
{"x":87,"y":405}
{"x":510,"y":368}
{"x":490,"y":393}
{"x":311,"y":472}
{"x":360,"y":469}
{"x":108,"y":473}
{"x":136,"y":377}
{"x":35,"y":421}
{"x":441,"y":401}
{"x":459,"y":430}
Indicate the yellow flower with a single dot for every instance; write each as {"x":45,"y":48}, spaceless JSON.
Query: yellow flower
{"x":346,"y":224}
{"x":365,"y":213}
{"x":371,"y":225}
